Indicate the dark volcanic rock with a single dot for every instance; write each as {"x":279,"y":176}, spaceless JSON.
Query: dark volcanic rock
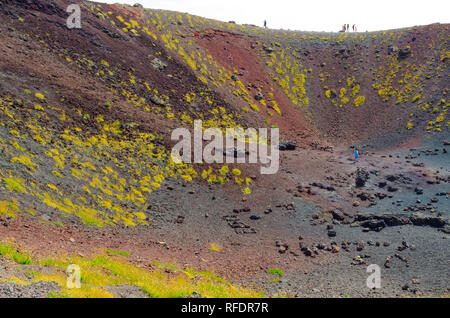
{"x":361,"y":177}
{"x":338,"y":215}
{"x":404,"y":53}
{"x":421,"y":219}
{"x":378,"y":222}
{"x":307,"y":251}
{"x":374,"y":224}
{"x":259,"y":96}
{"x":392,"y":189}
{"x":391,"y":178}
{"x":382,"y":184}
{"x":288,"y":145}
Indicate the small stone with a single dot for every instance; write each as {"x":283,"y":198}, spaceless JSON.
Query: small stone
{"x":358,"y":261}
{"x":307,"y":252}
{"x":180,"y":219}
{"x":336,"y":249}
{"x":331,"y":233}
{"x":259,"y":96}
{"x":387,"y":263}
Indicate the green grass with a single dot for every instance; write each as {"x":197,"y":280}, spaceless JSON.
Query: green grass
{"x":8,"y":250}
{"x":9,"y":208}
{"x":117,"y":253}
{"x":276,"y":271}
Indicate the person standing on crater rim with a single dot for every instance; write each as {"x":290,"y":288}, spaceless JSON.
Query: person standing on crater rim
{"x":265,"y":24}
{"x":356,"y":155}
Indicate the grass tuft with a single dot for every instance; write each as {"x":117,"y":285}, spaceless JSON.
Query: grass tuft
{"x":275,"y":271}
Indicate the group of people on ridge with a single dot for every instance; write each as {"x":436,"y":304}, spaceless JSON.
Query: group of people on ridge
{"x":346,"y":28}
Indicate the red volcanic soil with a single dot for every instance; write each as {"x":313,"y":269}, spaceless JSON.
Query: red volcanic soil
{"x":238,"y":52}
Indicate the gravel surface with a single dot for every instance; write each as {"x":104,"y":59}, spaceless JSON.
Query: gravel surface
{"x":35,"y":290}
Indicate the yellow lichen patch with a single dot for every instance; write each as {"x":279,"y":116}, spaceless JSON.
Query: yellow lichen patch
{"x":39,"y":96}
{"x":409,"y":126}
{"x":26,"y":161}
{"x":359,"y":101}
{"x":214,"y":247}
{"x":236,"y":172}
{"x":9,"y":208}
{"x":15,"y":184}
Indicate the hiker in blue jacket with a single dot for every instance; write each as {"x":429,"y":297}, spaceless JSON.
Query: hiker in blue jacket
{"x":356,"y":155}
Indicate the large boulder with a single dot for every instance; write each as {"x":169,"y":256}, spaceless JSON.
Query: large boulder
{"x":374,"y":221}
{"x":421,"y":219}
